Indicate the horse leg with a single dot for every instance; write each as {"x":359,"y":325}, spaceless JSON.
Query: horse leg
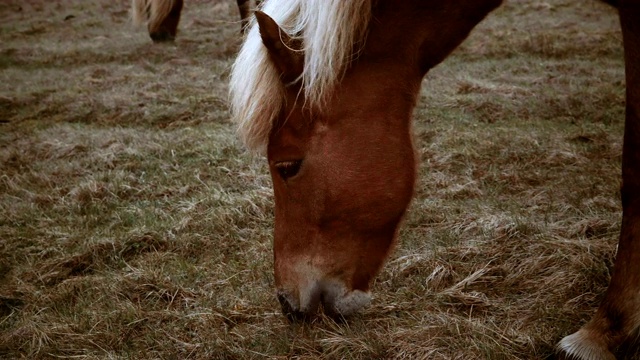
{"x":619,"y":314}
{"x":244,"y":7}
{"x":167,"y":28}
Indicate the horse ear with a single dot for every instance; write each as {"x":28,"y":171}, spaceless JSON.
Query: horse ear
{"x":285,"y":51}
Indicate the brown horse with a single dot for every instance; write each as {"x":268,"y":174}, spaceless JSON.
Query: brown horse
{"x":328,"y":95}
{"x":162,"y":16}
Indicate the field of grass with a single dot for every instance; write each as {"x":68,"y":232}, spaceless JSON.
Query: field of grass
{"x":134,"y":225}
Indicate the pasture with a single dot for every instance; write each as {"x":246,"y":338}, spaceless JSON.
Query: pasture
{"x":134,"y":225}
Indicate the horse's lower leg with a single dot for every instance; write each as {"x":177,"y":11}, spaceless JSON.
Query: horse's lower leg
{"x":168,"y":28}
{"x":244,"y":7}
{"x":619,"y":314}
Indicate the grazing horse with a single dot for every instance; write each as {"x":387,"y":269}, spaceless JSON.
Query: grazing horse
{"x":326,"y":89}
{"x":162,"y":16}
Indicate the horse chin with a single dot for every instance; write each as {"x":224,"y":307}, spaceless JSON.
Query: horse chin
{"x":339,"y":303}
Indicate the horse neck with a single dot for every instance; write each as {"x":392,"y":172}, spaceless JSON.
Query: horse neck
{"x":420,"y":34}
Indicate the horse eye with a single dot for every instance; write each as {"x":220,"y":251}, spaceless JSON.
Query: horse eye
{"x":288,"y":169}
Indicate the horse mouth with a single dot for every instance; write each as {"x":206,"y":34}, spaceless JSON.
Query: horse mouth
{"x":333,"y":298}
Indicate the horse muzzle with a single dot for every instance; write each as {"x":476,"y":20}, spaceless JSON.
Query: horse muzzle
{"x":332,"y":296}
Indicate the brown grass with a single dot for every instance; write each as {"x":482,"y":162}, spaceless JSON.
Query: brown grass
{"x":133,"y":225}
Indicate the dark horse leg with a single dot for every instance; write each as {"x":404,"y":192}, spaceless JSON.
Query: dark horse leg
{"x":168,"y":28}
{"x":245,"y":7}
{"x":619,"y":314}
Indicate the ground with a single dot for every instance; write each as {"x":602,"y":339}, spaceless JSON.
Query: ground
{"x":133,"y":224}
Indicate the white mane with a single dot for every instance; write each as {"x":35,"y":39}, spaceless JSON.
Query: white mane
{"x":330,"y":30}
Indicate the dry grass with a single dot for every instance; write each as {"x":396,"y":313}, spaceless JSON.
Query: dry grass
{"x":133,"y":225}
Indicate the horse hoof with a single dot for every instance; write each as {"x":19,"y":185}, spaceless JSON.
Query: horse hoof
{"x":582,"y":345}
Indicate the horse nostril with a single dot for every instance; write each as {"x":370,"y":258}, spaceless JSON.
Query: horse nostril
{"x":289,"y":311}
